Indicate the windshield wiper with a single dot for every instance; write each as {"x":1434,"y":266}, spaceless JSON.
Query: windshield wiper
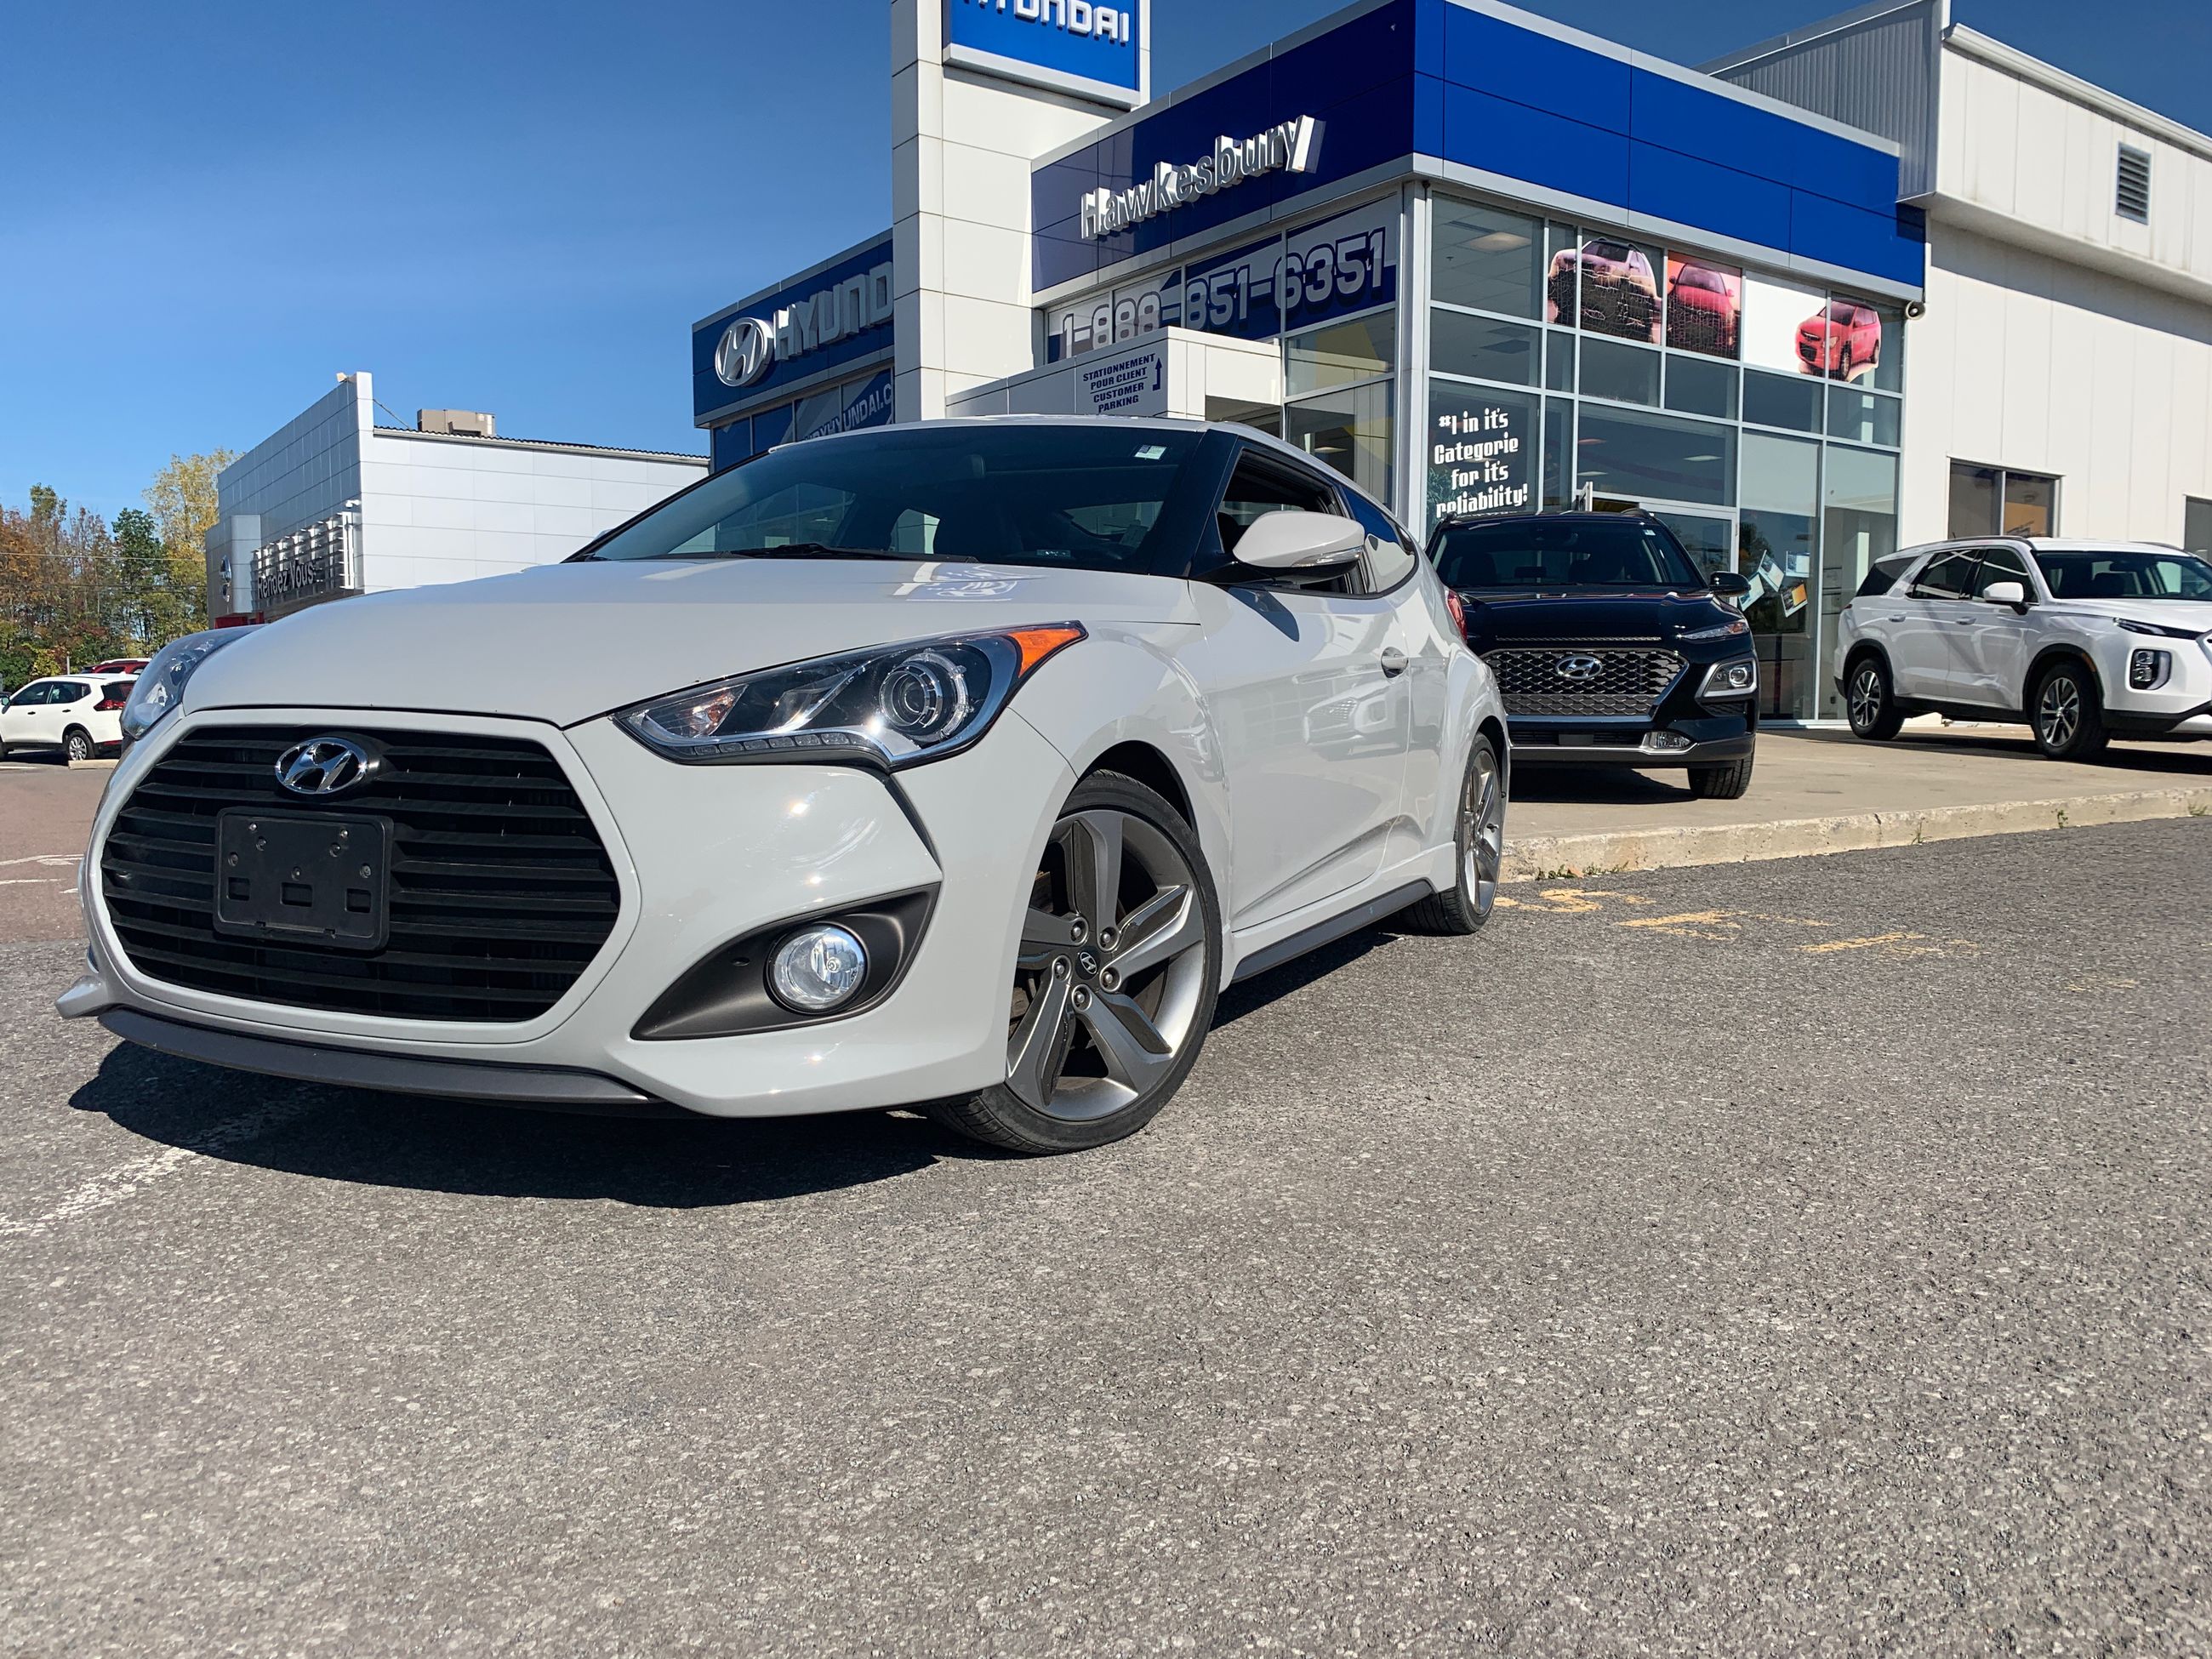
{"x":796,"y":550}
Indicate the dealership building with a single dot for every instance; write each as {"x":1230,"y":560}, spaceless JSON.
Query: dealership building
{"x":1879,"y":281}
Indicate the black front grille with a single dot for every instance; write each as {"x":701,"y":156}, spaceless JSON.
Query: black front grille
{"x":1626,"y":684}
{"x":501,"y":891}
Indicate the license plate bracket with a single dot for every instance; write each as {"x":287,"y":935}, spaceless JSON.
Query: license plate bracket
{"x":303,"y":878}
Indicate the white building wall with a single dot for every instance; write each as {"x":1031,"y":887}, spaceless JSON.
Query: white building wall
{"x":444,"y":509}
{"x":962,"y":144}
{"x":2045,"y":365}
{"x":2023,"y":143}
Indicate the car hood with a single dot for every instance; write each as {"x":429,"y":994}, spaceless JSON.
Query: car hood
{"x":566,"y":642}
{"x":2167,"y":613}
{"x":1586,"y":616}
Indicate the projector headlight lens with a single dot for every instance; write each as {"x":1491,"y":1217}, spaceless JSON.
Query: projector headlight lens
{"x":891,"y":705}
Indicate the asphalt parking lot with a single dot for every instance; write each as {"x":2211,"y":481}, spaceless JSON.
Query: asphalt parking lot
{"x":1805,"y":1257}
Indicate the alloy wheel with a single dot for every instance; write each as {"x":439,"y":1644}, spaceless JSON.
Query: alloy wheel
{"x":1866,"y":698}
{"x":2058,"y":711}
{"x":78,"y":747}
{"x":1110,"y":975}
{"x":1482,"y":834}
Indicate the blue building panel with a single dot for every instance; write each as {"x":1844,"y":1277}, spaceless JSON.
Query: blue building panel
{"x":1533,"y":145}
{"x":1668,"y":185}
{"x":1436,"y":78}
{"x":1507,"y":61}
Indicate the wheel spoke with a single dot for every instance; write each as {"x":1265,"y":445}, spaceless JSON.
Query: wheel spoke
{"x":1035,"y":1056}
{"x":1043,"y":937}
{"x":1092,"y":844}
{"x":1161,"y":928}
{"x":1134,"y":1051}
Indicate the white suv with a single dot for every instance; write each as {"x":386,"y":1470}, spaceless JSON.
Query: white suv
{"x":2082,"y":641}
{"x":79,"y":715}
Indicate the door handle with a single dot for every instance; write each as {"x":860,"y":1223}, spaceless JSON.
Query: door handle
{"x":1394,"y":661}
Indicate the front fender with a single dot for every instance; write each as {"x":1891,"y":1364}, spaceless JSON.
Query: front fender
{"x":1124,"y":685}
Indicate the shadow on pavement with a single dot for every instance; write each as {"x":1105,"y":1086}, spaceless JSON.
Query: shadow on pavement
{"x":453,"y":1146}
{"x":2190,"y":759}
{"x":1605,"y":786}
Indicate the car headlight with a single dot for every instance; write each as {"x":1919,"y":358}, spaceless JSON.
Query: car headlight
{"x":1726,"y":630}
{"x":1736,"y":679}
{"x":891,"y":705}
{"x":162,"y":683}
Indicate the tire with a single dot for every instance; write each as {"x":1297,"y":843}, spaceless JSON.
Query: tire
{"x":1094,"y":1047}
{"x":1843,"y":362}
{"x":1868,"y":702}
{"x":1481,"y":838}
{"x":2067,"y":713}
{"x":1730,"y":782}
{"x":77,"y":745}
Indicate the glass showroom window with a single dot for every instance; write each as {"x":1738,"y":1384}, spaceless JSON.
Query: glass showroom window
{"x":1994,"y":500}
{"x":1858,"y":526}
{"x":1338,"y":389}
{"x":1484,"y":259}
{"x":1628,"y":455}
{"x":1777,"y":539}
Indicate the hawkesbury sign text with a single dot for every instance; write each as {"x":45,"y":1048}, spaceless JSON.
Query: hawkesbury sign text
{"x":1292,"y":146}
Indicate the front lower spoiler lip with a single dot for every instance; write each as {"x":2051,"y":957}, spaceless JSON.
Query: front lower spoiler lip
{"x":545,"y":1087}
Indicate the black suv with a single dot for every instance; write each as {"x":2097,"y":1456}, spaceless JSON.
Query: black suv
{"x":1609,"y":649}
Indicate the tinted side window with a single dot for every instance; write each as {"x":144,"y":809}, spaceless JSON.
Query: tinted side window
{"x":1948,"y":576}
{"x":1391,"y":553}
{"x":2001,"y":564}
{"x":1260,"y":486}
{"x":1883,"y":577}
{"x":69,"y":691}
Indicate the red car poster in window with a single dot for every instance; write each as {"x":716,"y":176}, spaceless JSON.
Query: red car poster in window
{"x":1841,"y":341}
{"x":1774,"y":313}
{"x":1705,"y":307}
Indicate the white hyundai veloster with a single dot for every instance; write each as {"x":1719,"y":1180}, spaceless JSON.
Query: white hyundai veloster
{"x":958,"y":765}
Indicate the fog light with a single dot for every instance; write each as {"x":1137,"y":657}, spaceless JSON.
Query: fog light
{"x":2148,"y":670}
{"x":1667,"y":742}
{"x":818,"y":968}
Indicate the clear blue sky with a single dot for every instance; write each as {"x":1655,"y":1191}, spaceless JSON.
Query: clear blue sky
{"x":210,"y":209}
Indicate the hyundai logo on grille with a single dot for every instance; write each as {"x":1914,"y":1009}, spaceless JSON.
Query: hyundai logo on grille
{"x":1579,"y":669}
{"x":325,"y":766}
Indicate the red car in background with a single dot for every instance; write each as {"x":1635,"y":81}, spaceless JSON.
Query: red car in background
{"x":131,"y":665}
{"x":1702,"y":308}
{"x":1841,"y":340}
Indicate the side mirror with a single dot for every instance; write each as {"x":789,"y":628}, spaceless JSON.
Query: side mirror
{"x":1290,"y":541}
{"x":1729,"y":584}
{"x":2012,"y":593}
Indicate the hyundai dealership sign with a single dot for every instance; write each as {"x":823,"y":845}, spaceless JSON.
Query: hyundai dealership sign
{"x":836,"y":316}
{"x":1093,"y":50}
{"x":1287,"y":147}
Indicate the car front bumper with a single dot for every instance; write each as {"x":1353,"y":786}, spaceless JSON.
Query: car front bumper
{"x":704,"y":855}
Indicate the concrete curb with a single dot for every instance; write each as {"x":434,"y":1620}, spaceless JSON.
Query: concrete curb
{"x":1537,"y":857}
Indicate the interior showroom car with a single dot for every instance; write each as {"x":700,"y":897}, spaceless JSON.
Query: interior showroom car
{"x":77,"y":715}
{"x":957,"y":764}
{"x":1607,"y":645}
{"x":2082,"y":641}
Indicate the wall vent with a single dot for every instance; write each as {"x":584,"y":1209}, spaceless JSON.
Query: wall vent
{"x":2133,"y":196}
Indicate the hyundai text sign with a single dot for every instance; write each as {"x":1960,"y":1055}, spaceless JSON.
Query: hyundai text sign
{"x":1287,"y":147}
{"x":838,"y":316}
{"x":1096,"y":51}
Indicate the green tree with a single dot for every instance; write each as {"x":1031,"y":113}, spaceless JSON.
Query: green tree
{"x":185,"y":502}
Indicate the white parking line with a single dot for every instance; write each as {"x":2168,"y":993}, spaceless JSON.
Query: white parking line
{"x":127,"y":1180}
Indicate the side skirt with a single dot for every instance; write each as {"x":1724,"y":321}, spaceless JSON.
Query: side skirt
{"x":1335,"y":927}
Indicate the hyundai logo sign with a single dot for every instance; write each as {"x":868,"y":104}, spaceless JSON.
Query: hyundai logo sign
{"x":747,"y":351}
{"x":326,"y":766}
{"x":1579,"y":669}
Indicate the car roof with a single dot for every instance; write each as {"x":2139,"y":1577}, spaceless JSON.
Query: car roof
{"x":1638,"y":517}
{"x":2030,"y":543}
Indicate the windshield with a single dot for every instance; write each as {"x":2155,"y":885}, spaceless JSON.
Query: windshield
{"x":1081,"y":497}
{"x":1551,"y":555}
{"x":2104,"y":575}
